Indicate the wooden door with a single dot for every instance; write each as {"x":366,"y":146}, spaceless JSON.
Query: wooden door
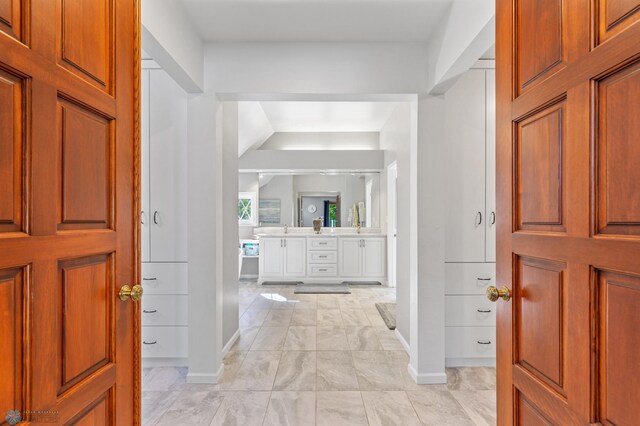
{"x":69,"y":211}
{"x":295,"y":257}
{"x":568,"y":173}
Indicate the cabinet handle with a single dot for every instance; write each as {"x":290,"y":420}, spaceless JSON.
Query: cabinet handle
{"x":281,"y":244}
{"x":149,"y":343}
{"x":155,"y":217}
{"x":149,"y":279}
{"x":285,"y":243}
{"x":150,"y":312}
{"x":483,"y":279}
{"x":483,"y":311}
{"x":323,"y":270}
{"x":479,"y":218}
{"x":322,"y":257}
{"x":322,"y":244}
{"x":480,"y":342}
{"x":142,"y":217}
{"x":493,"y":218}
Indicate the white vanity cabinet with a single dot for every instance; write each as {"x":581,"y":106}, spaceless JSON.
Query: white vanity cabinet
{"x":362,"y":257}
{"x":164,"y":220}
{"x":323,"y":258}
{"x":282,"y":258}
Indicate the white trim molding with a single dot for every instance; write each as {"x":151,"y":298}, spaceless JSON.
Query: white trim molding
{"x":402,"y":341}
{"x":230,"y":343}
{"x":206,"y":378}
{"x":427,"y":379}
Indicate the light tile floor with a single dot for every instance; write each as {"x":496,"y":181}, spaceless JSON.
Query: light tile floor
{"x":316,"y":360}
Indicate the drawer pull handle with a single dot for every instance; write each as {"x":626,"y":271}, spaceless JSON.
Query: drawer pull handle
{"x":149,"y":279}
{"x":323,"y":244}
{"x":144,"y":342}
{"x":150,"y":312}
{"x":483,"y":279}
{"x":480,"y":342}
{"x":322,"y":270}
{"x":484,"y":311}
{"x":322,"y":257}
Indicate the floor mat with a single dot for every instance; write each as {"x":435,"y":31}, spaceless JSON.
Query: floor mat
{"x":388,"y":314}
{"x":322,"y":289}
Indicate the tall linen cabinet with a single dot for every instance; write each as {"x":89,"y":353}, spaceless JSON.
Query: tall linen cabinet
{"x":470,"y":224}
{"x":164,"y":220}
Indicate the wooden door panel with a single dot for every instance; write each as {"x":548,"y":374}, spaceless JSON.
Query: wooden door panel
{"x":12,"y":141}
{"x":618,"y":152}
{"x":86,"y":169}
{"x":539,"y":163}
{"x":528,"y":414}
{"x":11,"y":18}
{"x":87,"y":50}
{"x":97,"y":415}
{"x":618,"y":322}
{"x":539,"y":310}
{"x":614,"y":16}
{"x":539,"y":56}
{"x":85,"y":282}
{"x":12,"y":338}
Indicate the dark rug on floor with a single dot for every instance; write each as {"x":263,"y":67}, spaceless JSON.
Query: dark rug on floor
{"x":388,"y":314}
{"x":362,"y":282}
{"x":282,"y":282}
{"x":322,"y":289}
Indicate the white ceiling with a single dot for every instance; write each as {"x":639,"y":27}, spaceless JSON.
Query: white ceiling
{"x":327,"y":116}
{"x":315,"y":20}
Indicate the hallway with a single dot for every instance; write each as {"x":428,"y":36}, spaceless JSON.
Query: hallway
{"x":317,"y":360}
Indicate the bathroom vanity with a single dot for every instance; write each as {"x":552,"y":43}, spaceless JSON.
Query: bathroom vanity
{"x":323,"y":258}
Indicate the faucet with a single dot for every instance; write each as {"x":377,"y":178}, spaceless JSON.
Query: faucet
{"x":286,"y":228}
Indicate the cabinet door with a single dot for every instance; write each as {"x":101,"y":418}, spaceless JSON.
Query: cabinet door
{"x":373,"y":257}
{"x":144,"y":145}
{"x":271,"y":261}
{"x":465,"y":165}
{"x":490,"y":224}
{"x":295,"y":257}
{"x":350,"y":257}
{"x":167,"y":169}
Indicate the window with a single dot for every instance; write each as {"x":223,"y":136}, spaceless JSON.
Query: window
{"x":247,"y":209}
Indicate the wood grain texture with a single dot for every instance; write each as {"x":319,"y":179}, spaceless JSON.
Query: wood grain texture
{"x":614,"y":16}
{"x":12,"y":145}
{"x":618,"y":152}
{"x":100,"y":186}
{"x":11,"y":18}
{"x":539,"y":39}
{"x":596,"y":84}
{"x":540,"y":170}
{"x":618,"y":343}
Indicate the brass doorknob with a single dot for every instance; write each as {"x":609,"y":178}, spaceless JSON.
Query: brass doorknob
{"x":493,"y":293}
{"x":134,"y":293}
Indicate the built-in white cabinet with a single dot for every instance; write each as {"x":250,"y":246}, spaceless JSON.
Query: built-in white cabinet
{"x":282,"y":258}
{"x":470,"y":139}
{"x":164,"y":220}
{"x":164,"y":168}
{"x":323,"y":258}
{"x":470,"y":224}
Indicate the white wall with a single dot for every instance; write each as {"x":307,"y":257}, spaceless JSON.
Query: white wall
{"x":395,"y":136}
{"x":323,"y":141}
{"x":169,"y":38}
{"x":260,"y":160}
{"x":254,"y":128}
{"x":316,"y":67}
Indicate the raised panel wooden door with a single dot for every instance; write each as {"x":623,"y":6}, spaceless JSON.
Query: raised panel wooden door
{"x":68,"y":211}
{"x":568,"y":193}
{"x":465,"y":204}
{"x":167,"y":168}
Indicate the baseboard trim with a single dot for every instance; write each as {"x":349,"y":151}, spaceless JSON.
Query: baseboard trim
{"x":230,"y":343}
{"x":206,"y":378}
{"x":427,"y":378}
{"x":470,"y":362}
{"x":403,"y":342}
{"x":248,"y":276}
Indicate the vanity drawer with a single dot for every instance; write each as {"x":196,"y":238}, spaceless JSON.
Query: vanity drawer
{"x":322,"y":257}
{"x":164,"y":342}
{"x":164,"y":310}
{"x":164,"y":278}
{"x":470,"y":342}
{"x":461,"y":311}
{"x":323,"y":243}
{"x":323,"y":270}
{"x":469,"y":278}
